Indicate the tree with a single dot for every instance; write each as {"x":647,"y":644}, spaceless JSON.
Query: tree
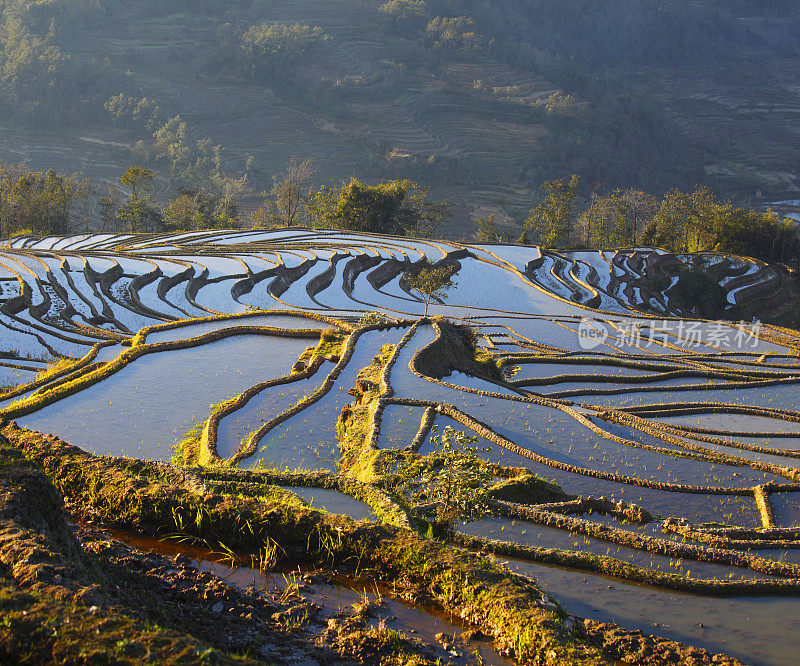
{"x":231,"y":191}
{"x":269,"y":52}
{"x":196,"y":209}
{"x":487,"y":230}
{"x":289,"y":195}
{"x":431,"y":283}
{"x":456,"y":33}
{"x":454,"y":478}
{"x":404,"y":14}
{"x":109,"y":206}
{"x":641,"y":208}
{"x":139,"y":180}
{"x":698,"y":221}
{"x":184,"y":213}
{"x":43,"y":202}
{"x":553,"y":217}
{"x":425,"y":217}
{"x":605,"y":222}
{"x":125,"y":110}
{"x":684,"y":221}
{"x":139,"y":213}
{"x":395,"y":207}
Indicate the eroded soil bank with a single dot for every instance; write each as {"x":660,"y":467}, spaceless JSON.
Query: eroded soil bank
{"x":70,"y":593}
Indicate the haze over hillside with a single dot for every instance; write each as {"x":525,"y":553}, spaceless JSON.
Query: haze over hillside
{"x":480,"y":100}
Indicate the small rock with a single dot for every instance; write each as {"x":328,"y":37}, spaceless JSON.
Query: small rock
{"x":475,"y":635}
{"x":217,"y":607}
{"x":182,"y":560}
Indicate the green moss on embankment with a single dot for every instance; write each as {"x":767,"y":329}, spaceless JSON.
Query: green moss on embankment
{"x":357,"y":421}
{"x":459,"y":582}
{"x":51,"y":589}
{"x":249,"y":484}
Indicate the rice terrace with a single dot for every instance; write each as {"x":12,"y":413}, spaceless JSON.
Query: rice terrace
{"x":271,"y":446}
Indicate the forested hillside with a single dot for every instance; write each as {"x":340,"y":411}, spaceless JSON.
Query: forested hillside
{"x":482,"y":101}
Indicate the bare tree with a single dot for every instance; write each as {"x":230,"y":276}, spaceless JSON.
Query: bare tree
{"x":290,"y":191}
{"x":641,"y":207}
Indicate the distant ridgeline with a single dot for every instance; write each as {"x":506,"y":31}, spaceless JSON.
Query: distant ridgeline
{"x":481,"y":100}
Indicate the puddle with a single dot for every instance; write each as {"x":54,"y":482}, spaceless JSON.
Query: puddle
{"x":336,"y":595}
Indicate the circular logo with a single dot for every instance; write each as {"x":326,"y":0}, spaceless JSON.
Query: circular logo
{"x":591,"y":333}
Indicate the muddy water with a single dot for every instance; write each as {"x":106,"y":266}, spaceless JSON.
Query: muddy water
{"x":577,"y":389}
{"x":738,"y":422}
{"x":336,"y":594}
{"x":531,"y":534}
{"x":732,"y":510}
{"x":782,"y":396}
{"x":732,"y":450}
{"x":542,"y":370}
{"x":557,"y":436}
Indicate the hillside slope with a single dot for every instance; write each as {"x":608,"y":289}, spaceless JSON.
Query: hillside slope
{"x":480,"y":101}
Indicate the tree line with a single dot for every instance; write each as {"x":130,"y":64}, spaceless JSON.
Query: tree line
{"x":49,"y":203}
{"x":680,"y":222}
{"x":45,"y":203}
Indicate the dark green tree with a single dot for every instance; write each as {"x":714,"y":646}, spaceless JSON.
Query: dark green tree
{"x":553,"y":218}
{"x":40,"y":202}
{"x":431,"y":282}
{"x":396,"y":207}
{"x":139,"y":212}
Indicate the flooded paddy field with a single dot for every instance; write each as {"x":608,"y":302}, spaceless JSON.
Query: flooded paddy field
{"x":643,"y":472}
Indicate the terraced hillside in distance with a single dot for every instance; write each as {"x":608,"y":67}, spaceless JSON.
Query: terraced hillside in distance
{"x":266,"y":389}
{"x":480,"y":101}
